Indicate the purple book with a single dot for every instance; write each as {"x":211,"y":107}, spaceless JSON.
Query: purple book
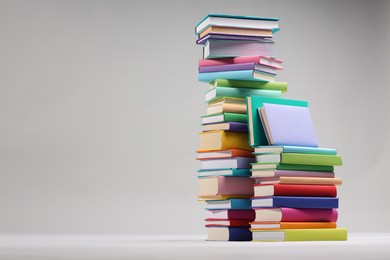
{"x":239,"y":66}
{"x":209,"y":36}
{"x":227,"y":126}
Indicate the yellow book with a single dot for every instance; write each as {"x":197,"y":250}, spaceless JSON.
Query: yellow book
{"x":221,"y":140}
{"x":320,"y":234}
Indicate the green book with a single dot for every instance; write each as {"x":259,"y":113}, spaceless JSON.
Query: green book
{"x":224,"y":117}
{"x":256,"y":131}
{"x":311,"y":159}
{"x":219,"y":92}
{"x":282,"y":86}
{"x":292,"y":167}
{"x":320,"y":234}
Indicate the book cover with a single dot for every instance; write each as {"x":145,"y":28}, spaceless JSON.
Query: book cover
{"x":290,"y":173}
{"x":250,"y":74}
{"x":291,"y":225}
{"x":237,"y":67}
{"x":219,"y":36}
{"x":296,"y":167}
{"x":227,"y":222}
{"x":256,"y":132}
{"x":311,"y":159}
{"x":295,"y":202}
{"x":281,"y":86}
{"x":267,"y":61}
{"x":224,"y":172}
{"x":234,"y":203}
{"x":226,"y":163}
{"x":224,"y":117}
{"x":284,"y":214}
{"x":294,"y":149}
{"x":229,"y":234}
{"x":246,"y":214}
{"x":219,"y":92}
{"x":222,"y":140}
{"x":226,"y":126}
{"x":297,"y":180}
{"x":323,"y":234}
{"x":305,"y":190}
{"x":226,"y":107}
{"x":220,"y":186}
{"x":288,"y":125}
{"x":266,"y":33}
{"x":229,"y":153}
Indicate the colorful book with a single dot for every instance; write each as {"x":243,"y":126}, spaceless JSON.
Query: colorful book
{"x":250,"y":74}
{"x":235,"y":37}
{"x":322,"y":234}
{"x":297,"y":180}
{"x":224,"y":172}
{"x":226,"y":126}
{"x":226,"y":163}
{"x":222,"y":186}
{"x":219,"y":92}
{"x":294,"y":149}
{"x":263,"y":60}
{"x":232,"y":48}
{"x":294,"y":167}
{"x":295,"y":202}
{"x":265,"y":33}
{"x":218,"y":154}
{"x":288,"y":125}
{"x":281,"y":86}
{"x":234,"y":203}
{"x":239,"y":21}
{"x":305,"y":190}
{"x":295,"y":215}
{"x":224,"y":117}
{"x":227,"y":223}
{"x":290,"y":173}
{"x":240,"y":66}
{"x":222,"y":140}
{"x":229,"y":234}
{"x":247,"y":214}
{"x":256,"y":132}
{"x":300,"y":158}
{"x":291,"y":225}
{"x":224,"y":107}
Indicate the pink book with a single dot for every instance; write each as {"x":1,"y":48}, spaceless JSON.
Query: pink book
{"x":295,"y":215}
{"x":225,"y":186}
{"x":263,"y":60}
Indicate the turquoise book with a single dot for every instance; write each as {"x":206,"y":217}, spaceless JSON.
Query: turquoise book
{"x":219,"y":92}
{"x":294,"y":149}
{"x":257,"y":136}
{"x":251,"y":75}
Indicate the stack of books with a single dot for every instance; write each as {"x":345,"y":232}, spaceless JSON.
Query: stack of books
{"x":237,"y":62}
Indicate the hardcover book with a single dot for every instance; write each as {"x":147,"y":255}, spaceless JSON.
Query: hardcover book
{"x":226,"y":163}
{"x":229,"y":234}
{"x":305,"y":190}
{"x":294,"y":149}
{"x":263,"y":60}
{"x":249,"y":74}
{"x":281,"y":86}
{"x":224,"y":172}
{"x":323,"y":234}
{"x":222,"y":140}
{"x":223,"y":186}
{"x":219,"y":92}
{"x":218,"y":154}
{"x":224,"y":117}
{"x":291,"y":225}
{"x":235,"y":203}
{"x":300,"y":158}
{"x":290,"y":173}
{"x":226,"y":126}
{"x":296,"y":202}
{"x":247,"y":214}
{"x":297,"y":180}
{"x":295,"y":215}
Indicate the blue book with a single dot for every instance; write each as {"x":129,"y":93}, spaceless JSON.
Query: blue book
{"x":251,"y":75}
{"x":296,"y":202}
{"x":227,"y":126}
{"x":224,"y":172}
{"x":294,"y":149}
{"x":229,"y":204}
{"x":229,"y":234}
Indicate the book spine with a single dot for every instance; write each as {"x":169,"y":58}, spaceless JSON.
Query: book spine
{"x":311,"y":159}
{"x":305,"y":202}
{"x":307,"y":215}
{"x":282,"y":86}
{"x":243,"y":92}
{"x":209,"y":77}
{"x":228,"y":67}
{"x":234,"y":117}
{"x":305,"y":190}
{"x":324,"y":234}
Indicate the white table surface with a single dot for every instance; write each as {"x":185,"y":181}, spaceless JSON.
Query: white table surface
{"x":112,"y":247}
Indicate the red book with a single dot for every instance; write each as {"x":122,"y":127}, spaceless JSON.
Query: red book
{"x":265,"y":190}
{"x":220,"y":214}
{"x":227,"y":223}
{"x":264,"y":60}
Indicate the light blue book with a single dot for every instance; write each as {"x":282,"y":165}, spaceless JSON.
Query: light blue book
{"x":252,"y":75}
{"x":229,"y":204}
{"x":294,"y":149}
{"x":219,"y":92}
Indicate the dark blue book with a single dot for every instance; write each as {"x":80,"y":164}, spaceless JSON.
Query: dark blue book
{"x":227,"y":126}
{"x":229,"y":204}
{"x":296,"y":202}
{"x":229,"y":234}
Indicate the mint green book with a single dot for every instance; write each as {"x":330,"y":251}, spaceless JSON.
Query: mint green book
{"x":281,"y":86}
{"x":311,"y":159}
{"x":292,"y":167}
{"x":219,"y":92}
{"x":224,"y":117}
{"x":257,"y":135}
{"x":293,"y":149}
{"x":320,"y":234}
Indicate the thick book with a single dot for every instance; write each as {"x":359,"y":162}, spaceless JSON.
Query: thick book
{"x":263,"y":60}
{"x":265,"y":33}
{"x":227,"y":222}
{"x":229,"y":234}
{"x":295,"y":215}
{"x":236,"y":67}
{"x":296,"y":202}
{"x":224,"y":172}
{"x":305,"y":190}
{"x":245,"y":214}
{"x":223,"y":186}
{"x":222,"y":140}
{"x":281,"y":86}
{"x":321,"y":234}
{"x":219,"y":92}
{"x":257,"y":135}
{"x":224,"y":117}
{"x":288,"y":125}
{"x":291,"y":225}
{"x":219,"y":36}
{"x":234,"y":203}
{"x":290,"y":173}
{"x":224,"y":107}
{"x":294,"y":149}
{"x":218,"y":154}
{"x":226,"y":163}
{"x":226,"y":126}
{"x":300,"y":158}
{"x":232,"y":48}
{"x":297,"y":180}
{"x":249,"y":74}
{"x":294,"y":167}
{"x":238,"y":21}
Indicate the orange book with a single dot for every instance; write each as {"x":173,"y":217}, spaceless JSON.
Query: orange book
{"x":291,"y":225}
{"x":229,"y":153}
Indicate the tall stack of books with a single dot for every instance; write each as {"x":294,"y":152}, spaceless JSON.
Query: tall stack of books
{"x":262,"y":175}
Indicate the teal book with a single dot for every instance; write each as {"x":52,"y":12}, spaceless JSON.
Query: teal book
{"x":224,"y":117}
{"x":257,"y":135}
{"x":294,"y":149}
{"x":219,"y":92}
{"x":292,"y":167}
{"x":251,"y":75}
{"x":224,"y":172}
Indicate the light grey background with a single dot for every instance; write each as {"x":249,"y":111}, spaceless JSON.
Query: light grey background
{"x":100,"y":106}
